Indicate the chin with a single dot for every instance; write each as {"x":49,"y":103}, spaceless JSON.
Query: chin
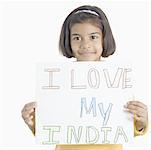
{"x":88,"y":59}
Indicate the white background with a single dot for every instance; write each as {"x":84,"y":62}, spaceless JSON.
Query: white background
{"x":29,"y":33}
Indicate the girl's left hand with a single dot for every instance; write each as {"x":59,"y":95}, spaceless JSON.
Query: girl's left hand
{"x":140,"y":112}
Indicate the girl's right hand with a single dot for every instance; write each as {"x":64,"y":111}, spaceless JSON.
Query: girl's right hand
{"x":28,"y":114}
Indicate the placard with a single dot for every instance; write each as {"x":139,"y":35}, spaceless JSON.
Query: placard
{"x":83,"y":103}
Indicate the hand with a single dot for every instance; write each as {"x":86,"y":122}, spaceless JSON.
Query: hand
{"x":140,"y":112}
{"x":28,"y":114}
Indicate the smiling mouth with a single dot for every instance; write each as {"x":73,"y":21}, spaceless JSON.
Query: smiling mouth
{"x":87,"y":53}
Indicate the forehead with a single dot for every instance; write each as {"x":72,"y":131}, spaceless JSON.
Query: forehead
{"x":85,"y":28}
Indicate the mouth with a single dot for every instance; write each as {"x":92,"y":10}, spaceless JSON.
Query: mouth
{"x":87,"y":53}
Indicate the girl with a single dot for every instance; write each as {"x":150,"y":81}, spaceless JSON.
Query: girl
{"x":87,"y":36}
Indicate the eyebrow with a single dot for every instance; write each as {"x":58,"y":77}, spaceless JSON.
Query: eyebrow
{"x":95,"y":33}
{"x":76,"y":34}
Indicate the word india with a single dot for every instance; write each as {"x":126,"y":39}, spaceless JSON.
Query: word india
{"x":87,"y":134}
{"x":119,"y":79}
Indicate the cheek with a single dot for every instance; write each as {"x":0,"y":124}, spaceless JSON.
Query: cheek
{"x":100,"y":50}
{"x":74,"y":47}
{"x":99,"y":47}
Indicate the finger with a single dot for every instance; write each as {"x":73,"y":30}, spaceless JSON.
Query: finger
{"x":134,"y":112}
{"x":141,"y":114}
{"x":130,"y":111}
{"x":29,"y":106}
{"x":30,"y":111}
{"x":33,"y":113}
{"x":137,"y":112}
{"x":27,"y":114}
{"x":140,"y":119}
{"x":140,"y":109}
{"x":31,"y":117}
{"x":29,"y":122}
{"x":137,"y":103}
{"x":133,"y":107}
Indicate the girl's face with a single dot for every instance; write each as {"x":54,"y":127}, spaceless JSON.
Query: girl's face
{"x":86,"y":42}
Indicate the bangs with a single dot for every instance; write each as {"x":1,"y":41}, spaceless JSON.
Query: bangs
{"x":85,"y":18}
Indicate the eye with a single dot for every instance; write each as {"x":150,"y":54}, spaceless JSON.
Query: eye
{"x":76,"y":38}
{"x":93,"y":37}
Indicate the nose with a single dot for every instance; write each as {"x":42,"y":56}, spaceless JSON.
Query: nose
{"x":85,"y":44}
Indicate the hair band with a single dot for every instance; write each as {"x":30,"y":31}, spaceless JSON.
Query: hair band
{"x":87,"y":11}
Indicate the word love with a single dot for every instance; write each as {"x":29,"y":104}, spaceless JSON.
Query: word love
{"x":93,"y":78}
